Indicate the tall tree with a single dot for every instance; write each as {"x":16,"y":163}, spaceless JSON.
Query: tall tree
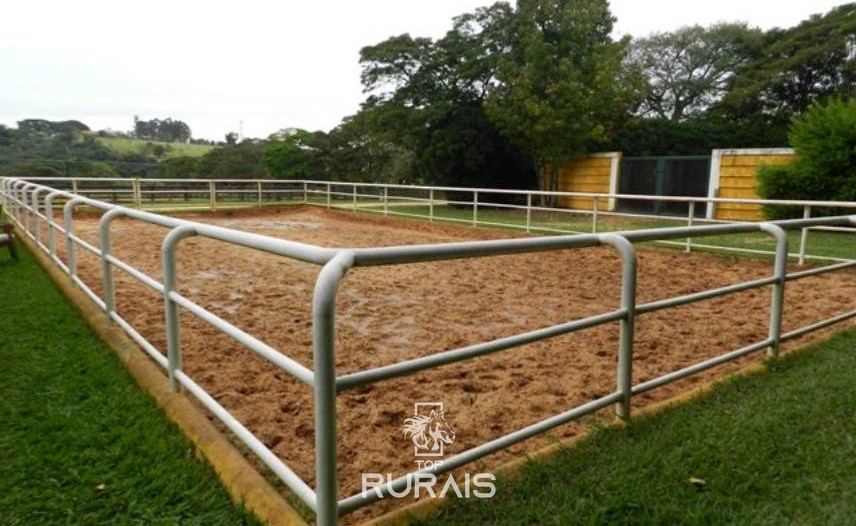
{"x":290,"y":156}
{"x":427,"y":97}
{"x":797,"y":67}
{"x":560,"y":83}
{"x":688,"y":70}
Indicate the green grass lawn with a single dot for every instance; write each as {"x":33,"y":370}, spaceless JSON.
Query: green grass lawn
{"x":80,"y":442}
{"x":123,"y":146}
{"x":774,"y":448}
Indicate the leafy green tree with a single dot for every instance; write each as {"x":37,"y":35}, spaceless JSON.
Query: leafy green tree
{"x":28,"y":169}
{"x":688,"y":70}
{"x":241,"y":161}
{"x":427,"y":97}
{"x":167,"y":130}
{"x":797,"y":67}
{"x":692,"y":136}
{"x":181,"y":167}
{"x":825,"y":169}
{"x":92,"y":169}
{"x":560,"y":83}
{"x":289,"y":157}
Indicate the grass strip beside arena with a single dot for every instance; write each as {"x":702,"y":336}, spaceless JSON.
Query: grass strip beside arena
{"x":81,"y":443}
{"x":771,"y":448}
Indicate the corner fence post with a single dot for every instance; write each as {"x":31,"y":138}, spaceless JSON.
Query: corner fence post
{"x":804,"y":235}
{"x":690,"y":217}
{"x":173,"y":338}
{"x":778,"y":297}
{"x":324,"y":355}
{"x":628,"y":322}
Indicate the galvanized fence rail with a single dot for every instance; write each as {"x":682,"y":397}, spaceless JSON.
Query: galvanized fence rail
{"x":30,"y":206}
{"x":420,"y":201}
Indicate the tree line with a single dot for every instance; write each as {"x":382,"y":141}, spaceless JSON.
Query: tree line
{"x":512,"y":91}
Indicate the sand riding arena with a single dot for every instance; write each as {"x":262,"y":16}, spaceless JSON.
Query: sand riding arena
{"x":389,"y":314}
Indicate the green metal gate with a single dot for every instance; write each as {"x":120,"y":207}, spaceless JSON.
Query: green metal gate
{"x":682,"y":176}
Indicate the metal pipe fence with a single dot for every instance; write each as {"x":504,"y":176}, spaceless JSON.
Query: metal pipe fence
{"x":490,"y":207}
{"x":30,"y":205}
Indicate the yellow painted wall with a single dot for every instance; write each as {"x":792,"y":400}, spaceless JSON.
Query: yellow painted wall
{"x":586,"y":174}
{"x":738,"y":179}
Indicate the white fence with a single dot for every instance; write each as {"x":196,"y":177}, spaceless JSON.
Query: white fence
{"x":30,"y":205}
{"x":491,"y":207}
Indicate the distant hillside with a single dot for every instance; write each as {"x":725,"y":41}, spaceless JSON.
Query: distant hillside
{"x":162,"y":150}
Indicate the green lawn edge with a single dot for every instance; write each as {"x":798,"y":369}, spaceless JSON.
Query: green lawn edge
{"x":81,"y":443}
{"x":777,"y":447}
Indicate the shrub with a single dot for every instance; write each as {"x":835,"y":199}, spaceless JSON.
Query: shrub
{"x":824,"y":138}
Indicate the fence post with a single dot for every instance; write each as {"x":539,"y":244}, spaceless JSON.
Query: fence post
{"x":36,"y":224}
{"x":475,"y":208}
{"x":594,"y":216}
{"x":431,"y":205}
{"x":305,"y":192}
{"x":106,"y":266}
{"x":138,"y":194}
{"x":354,"y":205}
{"x":212,"y":195}
{"x":690,"y":218}
{"x":804,"y":235}
{"x":328,"y":195}
{"x":628,"y":322}
{"x":324,"y":357}
{"x":528,"y":213}
{"x":386,"y":200}
{"x":74,"y":186}
{"x":49,"y":215}
{"x":778,"y":297}
{"x":173,"y":339}
{"x":259,"y":194}
{"x":68,"y":224}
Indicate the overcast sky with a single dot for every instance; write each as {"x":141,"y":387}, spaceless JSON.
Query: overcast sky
{"x":269,"y":64}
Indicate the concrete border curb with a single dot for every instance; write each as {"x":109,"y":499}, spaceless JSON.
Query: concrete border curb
{"x":244,"y":483}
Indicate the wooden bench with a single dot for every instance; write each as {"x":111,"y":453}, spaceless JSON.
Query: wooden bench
{"x":7,"y":238}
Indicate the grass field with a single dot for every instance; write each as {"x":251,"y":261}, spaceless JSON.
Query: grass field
{"x":774,"y":448}
{"x":80,"y":442}
{"x":124,"y":146}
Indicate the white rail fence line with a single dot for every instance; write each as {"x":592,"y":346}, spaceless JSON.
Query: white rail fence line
{"x":379,"y":198}
{"x":29,"y":205}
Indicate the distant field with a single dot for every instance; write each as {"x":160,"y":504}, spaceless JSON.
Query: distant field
{"x":173,"y":149}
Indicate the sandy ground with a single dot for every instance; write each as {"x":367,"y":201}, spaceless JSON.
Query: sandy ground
{"x":393,"y":313}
